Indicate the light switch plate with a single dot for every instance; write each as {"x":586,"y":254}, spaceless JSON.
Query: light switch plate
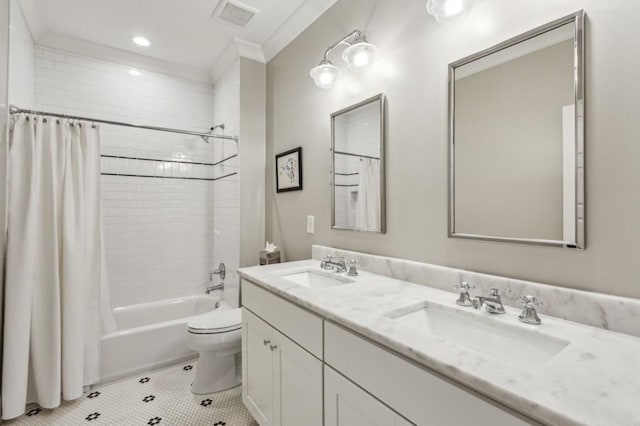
{"x":310,"y":224}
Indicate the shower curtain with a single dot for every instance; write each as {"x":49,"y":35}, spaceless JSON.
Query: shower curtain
{"x":368,"y":206}
{"x":52,"y":322}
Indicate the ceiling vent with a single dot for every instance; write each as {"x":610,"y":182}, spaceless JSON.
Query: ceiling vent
{"x":234,"y":13}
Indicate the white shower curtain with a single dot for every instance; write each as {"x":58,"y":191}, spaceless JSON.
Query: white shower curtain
{"x":52,"y":322}
{"x":368,"y":206}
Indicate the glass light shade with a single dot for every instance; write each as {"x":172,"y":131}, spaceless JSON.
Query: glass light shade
{"x":360,"y":55}
{"x":447,"y":9}
{"x":325,"y":74}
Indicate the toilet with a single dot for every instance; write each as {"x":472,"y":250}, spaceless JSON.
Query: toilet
{"x":216,"y":336}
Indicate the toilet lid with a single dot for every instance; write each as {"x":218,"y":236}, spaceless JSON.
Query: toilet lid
{"x":218,"y":321}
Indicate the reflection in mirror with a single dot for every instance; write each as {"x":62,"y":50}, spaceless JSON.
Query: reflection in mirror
{"x":358,"y":166}
{"x":516,"y":154}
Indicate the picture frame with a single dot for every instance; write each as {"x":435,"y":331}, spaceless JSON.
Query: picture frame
{"x":289,"y":170}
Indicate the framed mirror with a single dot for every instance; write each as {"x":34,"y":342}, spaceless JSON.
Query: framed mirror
{"x":357,"y":166}
{"x":516,"y":139}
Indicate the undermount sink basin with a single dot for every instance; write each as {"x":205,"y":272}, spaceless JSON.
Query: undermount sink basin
{"x":312,"y":278}
{"x":511,"y":343}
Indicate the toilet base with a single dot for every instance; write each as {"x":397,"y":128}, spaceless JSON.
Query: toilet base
{"x":215,"y":374}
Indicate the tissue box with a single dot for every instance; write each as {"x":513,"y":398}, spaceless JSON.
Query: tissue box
{"x":267,"y":258}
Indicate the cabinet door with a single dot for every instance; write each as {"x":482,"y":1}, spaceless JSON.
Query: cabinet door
{"x":345,"y":404}
{"x":298,"y":385}
{"x":257,"y":368}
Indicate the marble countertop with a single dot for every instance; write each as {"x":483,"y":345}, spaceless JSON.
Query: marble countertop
{"x":594,"y":380}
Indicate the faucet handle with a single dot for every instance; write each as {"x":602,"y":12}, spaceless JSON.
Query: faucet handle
{"x":529,"y":314}
{"x":353,"y":271}
{"x":464,"y":286}
{"x":530,"y":301}
{"x":464,"y":299}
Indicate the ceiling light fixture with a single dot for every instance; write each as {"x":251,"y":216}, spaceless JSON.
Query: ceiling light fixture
{"x":141,"y":41}
{"x":358,"y":56}
{"x":447,"y":9}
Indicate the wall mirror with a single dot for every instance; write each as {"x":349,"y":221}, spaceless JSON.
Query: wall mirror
{"x":516,"y":120}
{"x":357,"y":166}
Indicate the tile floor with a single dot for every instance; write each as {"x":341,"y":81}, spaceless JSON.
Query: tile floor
{"x":160,"y":398}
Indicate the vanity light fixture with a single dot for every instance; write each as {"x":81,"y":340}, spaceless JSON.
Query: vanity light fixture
{"x":325,"y":74}
{"x":358,"y":55}
{"x":447,"y":9}
{"x":141,"y":41}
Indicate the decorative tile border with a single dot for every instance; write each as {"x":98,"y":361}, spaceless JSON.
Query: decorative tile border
{"x":613,"y":313}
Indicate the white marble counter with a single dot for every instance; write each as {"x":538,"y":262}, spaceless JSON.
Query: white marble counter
{"x":595,"y":380}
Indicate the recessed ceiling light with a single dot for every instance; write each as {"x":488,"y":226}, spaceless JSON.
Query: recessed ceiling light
{"x":141,"y":41}
{"x":134,"y":72}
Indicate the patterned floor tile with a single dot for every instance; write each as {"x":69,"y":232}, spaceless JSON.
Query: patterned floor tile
{"x":158,"y":398}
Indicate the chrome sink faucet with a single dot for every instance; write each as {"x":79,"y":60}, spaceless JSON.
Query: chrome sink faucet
{"x":329,"y":264}
{"x":492,"y":302}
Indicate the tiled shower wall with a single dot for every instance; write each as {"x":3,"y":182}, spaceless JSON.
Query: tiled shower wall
{"x":21,"y":60}
{"x":158,"y":231}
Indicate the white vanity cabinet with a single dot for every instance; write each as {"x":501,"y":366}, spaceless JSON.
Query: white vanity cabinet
{"x":420,"y":395}
{"x":292,"y":357}
{"x":345,"y":404}
{"x":281,"y":380}
{"x":257,"y":368}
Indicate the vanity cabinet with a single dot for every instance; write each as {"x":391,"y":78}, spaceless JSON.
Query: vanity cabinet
{"x":257,"y":368}
{"x":292,"y":358}
{"x":348,"y":405}
{"x":420,"y":395}
{"x":297,"y":385}
{"x":281,"y":379}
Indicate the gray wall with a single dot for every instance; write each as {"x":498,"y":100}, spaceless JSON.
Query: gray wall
{"x":4,"y":81}
{"x":508,"y":141}
{"x":252,"y":160}
{"x":412,"y":72}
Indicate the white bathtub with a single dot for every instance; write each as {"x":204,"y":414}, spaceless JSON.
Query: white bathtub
{"x":151,"y":335}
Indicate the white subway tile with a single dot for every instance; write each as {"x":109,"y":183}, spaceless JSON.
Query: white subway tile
{"x":159,"y":233}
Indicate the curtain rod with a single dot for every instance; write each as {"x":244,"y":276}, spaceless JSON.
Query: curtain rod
{"x":15,"y":110}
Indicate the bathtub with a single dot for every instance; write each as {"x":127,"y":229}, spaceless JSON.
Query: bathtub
{"x":151,"y":335}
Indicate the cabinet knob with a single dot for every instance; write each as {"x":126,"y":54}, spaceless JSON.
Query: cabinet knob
{"x":273,"y":347}
{"x":266,"y":342}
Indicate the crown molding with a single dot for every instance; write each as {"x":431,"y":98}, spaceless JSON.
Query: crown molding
{"x":237,"y":48}
{"x":306,"y":14}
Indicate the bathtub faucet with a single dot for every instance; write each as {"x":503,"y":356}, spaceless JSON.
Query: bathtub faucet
{"x":213,"y":288}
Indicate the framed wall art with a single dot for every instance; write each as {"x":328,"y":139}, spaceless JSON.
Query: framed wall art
{"x":289,"y":170}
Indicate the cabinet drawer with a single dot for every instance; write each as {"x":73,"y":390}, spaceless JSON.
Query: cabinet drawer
{"x":301,"y":326}
{"x":423,"y":397}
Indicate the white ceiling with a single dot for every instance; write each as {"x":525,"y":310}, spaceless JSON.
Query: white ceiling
{"x":182,"y":32}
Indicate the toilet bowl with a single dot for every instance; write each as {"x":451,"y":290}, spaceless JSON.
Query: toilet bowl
{"x":216,"y":336}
